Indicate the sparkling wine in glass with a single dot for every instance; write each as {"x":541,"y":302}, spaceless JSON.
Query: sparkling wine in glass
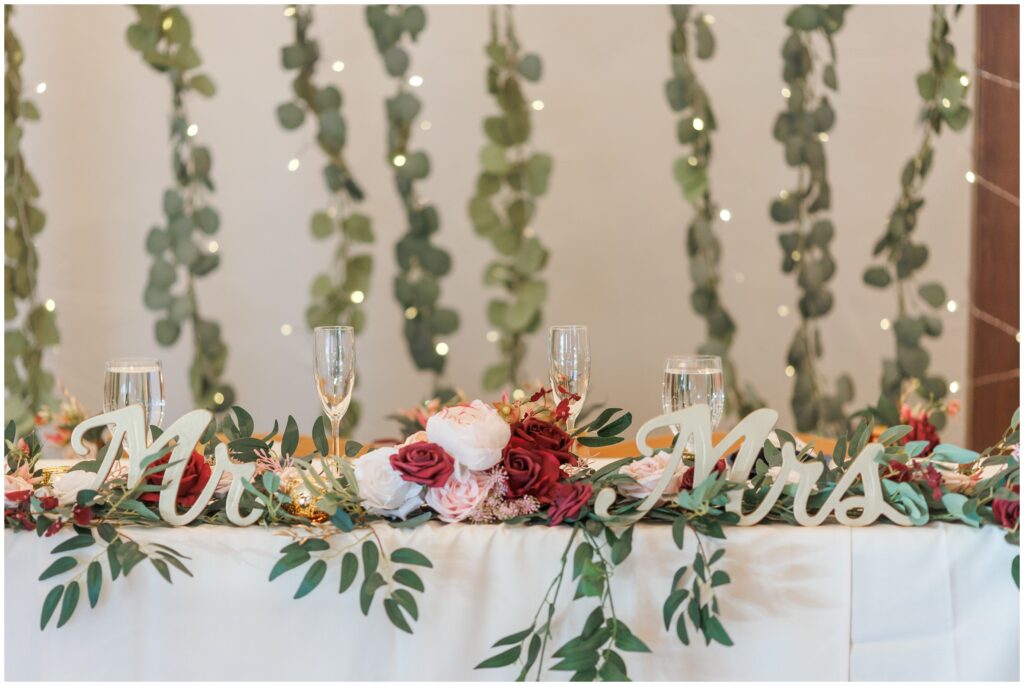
{"x":569,"y":367}
{"x":135,"y":381}
{"x":334,"y":368}
{"x":694,"y":380}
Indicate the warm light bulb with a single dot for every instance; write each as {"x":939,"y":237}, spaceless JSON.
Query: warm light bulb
{"x":218,"y":397}
{"x":192,"y":130}
{"x":725,"y":215}
{"x":884,"y":324}
{"x":698,"y":124}
{"x":289,"y":11}
{"x":357,"y":297}
{"x":492,"y":336}
{"x":518,"y":394}
{"x":946,"y":103}
{"x":293,"y":165}
{"x":954,"y":386}
{"x":823,"y":137}
{"x":795,"y":255}
{"x":790,"y":370}
{"x":411,"y":312}
{"x":970,"y":177}
{"x":529,"y":232}
{"x":168,"y":22}
{"x":399,"y":160}
{"x":964,"y":81}
{"x":538,"y":105}
{"x":338,"y":65}
{"x":50,"y":305}
{"x":415,"y":81}
{"x":708,"y":19}
{"x":783,"y":311}
{"x":441,"y":348}
{"x":213,"y":246}
{"x":783,"y":194}
{"x":286,"y":329}
{"x":951,"y":305}
{"x":692,"y":161}
{"x":425,"y":125}
{"x":786,"y":93}
{"x":41,"y":87}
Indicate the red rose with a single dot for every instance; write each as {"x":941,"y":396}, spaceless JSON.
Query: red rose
{"x":423,"y":463}
{"x":48,"y":502}
{"x":193,"y":480}
{"x":687,"y":481}
{"x":531,"y":471}
{"x":55,"y":527}
{"x":921,"y":429}
{"x":1007,"y":512}
{"x":82,"y":515}
{"x":17,"y":496}
{"x":545,"y":435}
{"x":569,"y":498}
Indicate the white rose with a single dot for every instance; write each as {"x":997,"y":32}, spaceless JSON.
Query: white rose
{"x":418,"y":437}
{"x":67,"y":486}
{"x":473,"y":434}
{"x":383,"y":490}
{"x":647,"y":472}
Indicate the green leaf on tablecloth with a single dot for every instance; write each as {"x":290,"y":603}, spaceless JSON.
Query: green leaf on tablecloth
{"x":94,"y":580}
{"x":502,"y":659}
{"x":408,"y":556}
{"x":59,"y":566}
{"x":679,"y":531}
{"x":394,"y":614}
{"x":371,"y":556}
{"x":1015,"y":570}
{"x":672,"y":603}
{"x":70,"y":602}
{"x":74,"y":543}
{"x":162,"y":569}
{"x":50,"y":604}
{"x":368,"y":588}
{"x":512,"y":639}
{"x":314,"y":575}
{"x":714,"y":630}
{"x":622,"y":547}
{"x":406,"y":601}
{"x":290,"y":561}
{"x":681,"y":632}
{"x":349,"y":570}
{"x":409,"y":578}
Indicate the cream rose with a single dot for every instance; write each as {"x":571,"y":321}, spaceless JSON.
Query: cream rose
{"x":647,"y":472}
{"x":418,"y":437}
{"x":473,"y":434}
{"x":382,"y":490}
{"x":457,"y":499}
{"x":67,"y":485}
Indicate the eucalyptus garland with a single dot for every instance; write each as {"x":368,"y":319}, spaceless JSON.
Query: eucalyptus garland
{"x":28,"y":386}
{"x":503,"y":207}
{"x":803,"y":128}
{"x":686,"y":94}
{"x":421,"y":263}
{"x":338,"y":292}
{"x":163,"y":36}
{"x":943,"y":90}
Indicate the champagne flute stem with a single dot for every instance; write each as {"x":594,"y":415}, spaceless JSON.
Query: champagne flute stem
{"x":336,"y":436}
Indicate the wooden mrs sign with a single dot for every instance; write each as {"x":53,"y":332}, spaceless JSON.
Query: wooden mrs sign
{"x":129,"y":425}
{"x":695,"y":423}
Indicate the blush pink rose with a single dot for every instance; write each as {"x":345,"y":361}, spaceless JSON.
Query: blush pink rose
{"x":647,"y":473}
{"x":454,"y":501}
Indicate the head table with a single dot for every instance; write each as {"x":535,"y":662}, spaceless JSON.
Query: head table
{"x":829,"y":603}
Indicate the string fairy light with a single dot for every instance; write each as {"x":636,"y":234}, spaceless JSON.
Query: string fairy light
{"x":286,"y":329}
{"x":338,"y":65}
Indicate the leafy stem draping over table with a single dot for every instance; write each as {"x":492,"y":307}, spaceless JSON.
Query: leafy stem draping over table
{"x":506,"y":462}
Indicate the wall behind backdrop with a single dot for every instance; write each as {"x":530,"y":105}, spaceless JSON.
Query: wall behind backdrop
{"x":614,"y":218}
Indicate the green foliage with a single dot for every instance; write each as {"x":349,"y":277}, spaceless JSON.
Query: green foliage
{"x":421,"y":264}
{"x":180,"y":246}
{"x":503,"y":207}
{"x":686,"y":95}
{"x":943,"y":90}
{"x":802,"y":129}
{"x":28,"y":386}
{"x":337,"y":293}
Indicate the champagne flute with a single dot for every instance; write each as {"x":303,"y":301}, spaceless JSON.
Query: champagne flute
{"x":569,"y":367}
{"x":334,"y":368}
{"x":694,"y":380}
{"x":135,"y":381}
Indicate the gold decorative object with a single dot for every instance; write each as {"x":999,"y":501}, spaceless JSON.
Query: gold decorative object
{"x":49,"y":473}
{"x":303,"y":502}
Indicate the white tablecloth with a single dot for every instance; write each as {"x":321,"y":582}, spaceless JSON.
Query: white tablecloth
{"x":830,"y":603}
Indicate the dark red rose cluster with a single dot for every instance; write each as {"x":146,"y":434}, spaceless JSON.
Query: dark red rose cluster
{"x":567,"y":501}
{"x":536,"y":433}
{"x":921,"y":429}
{"x":193,"y":480}
{"x":686,"y":483}
{"x":423,"y":463}
{"x":1007,"y":512}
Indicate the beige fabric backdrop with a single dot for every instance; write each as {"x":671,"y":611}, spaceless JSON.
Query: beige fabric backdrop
{"x":614,"y":218}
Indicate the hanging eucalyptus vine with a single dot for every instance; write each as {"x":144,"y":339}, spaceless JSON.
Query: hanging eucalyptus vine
{"x":338,"y":292}
{"x":511,"y":180}
{"x":421,"y":263}
{"x":28,"y":386}
{"x":163,"y":36}
{"x":943,"y":91}
{"x":686,"y":95}
{"x":803,"y":129}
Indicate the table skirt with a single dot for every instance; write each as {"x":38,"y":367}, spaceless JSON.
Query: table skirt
{"x":826,"y":603}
